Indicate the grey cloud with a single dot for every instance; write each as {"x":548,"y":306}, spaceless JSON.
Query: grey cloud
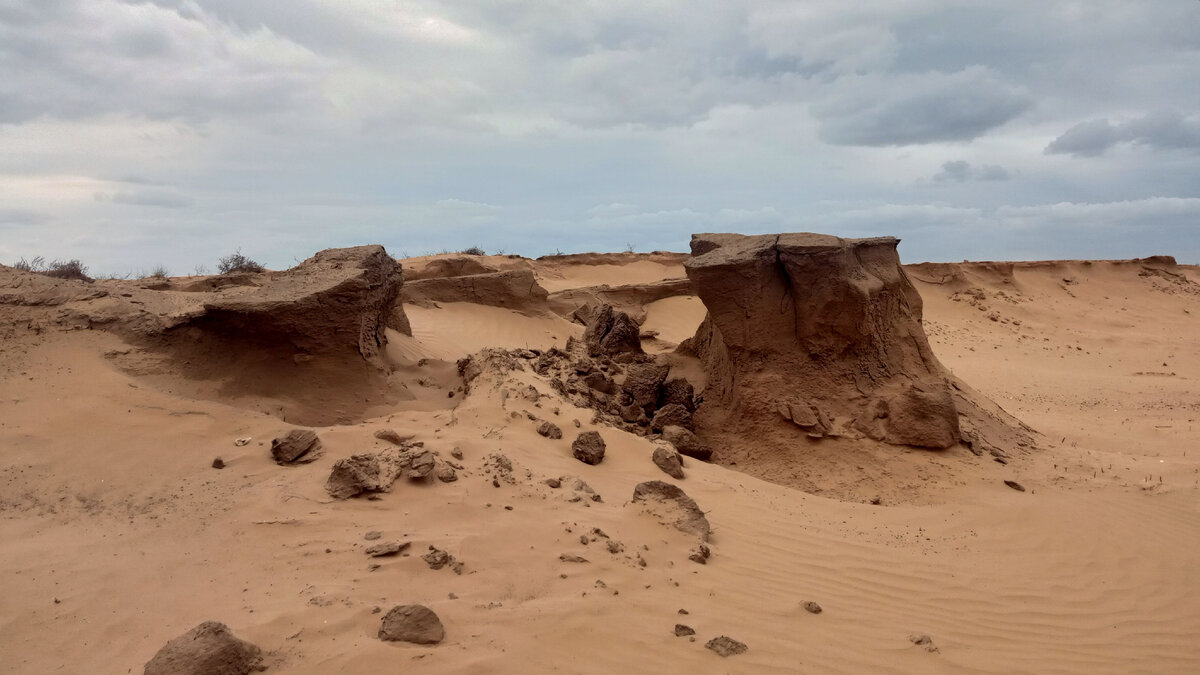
{"x":1164,"y":130}
{"x":917,"y":109}
{"x":23,"y":217}
{"x":960,"y":171}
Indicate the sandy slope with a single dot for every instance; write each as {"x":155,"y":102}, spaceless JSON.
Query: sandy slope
{"x":118,"y":536}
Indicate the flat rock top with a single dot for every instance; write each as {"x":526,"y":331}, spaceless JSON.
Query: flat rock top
{"x":727,"y":249}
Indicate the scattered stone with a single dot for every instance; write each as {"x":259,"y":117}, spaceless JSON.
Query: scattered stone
{"x":588,"y":447}
{"x":572,"y":558}
{"x":297,"y":445}
{"x":1015,"y":485}
{"x":683,"y":631}
{"x":553,"y":482}
{"x":614,"y":547}
{"x":218,"y":463}
{"x":207,"y":649}
{"x":549,"y":430}
{"x":354,"y":475}
{"x":683,"y":611}
{"x":456,"y":453}
{"x":611,"y":332}
{"x":412,"y":623}
{"x":687,"y":515}
{"x":677,"y":390}
{"x":373,"y":567}
{"x":387,"y":548}
{"x":437,"y":559}
{"x":671,"y":415}
{"x":700,"y":554}
{"x":687,"y":443}
{"x":925,"y":641}
{"x":726,"y":646}
{"x":421,"y":466}
{"x":372,"y":535}
{"x":668,"y":460}
{"x":392,"y":437}
{"x":642,"y":382}
{"x":812,"y":607}
{"x":447,"y":474}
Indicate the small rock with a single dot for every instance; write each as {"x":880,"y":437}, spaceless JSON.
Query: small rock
{"x":447,"y":474}
{"x":700,"y":554}
{"x":553,"y":482}
{"x":588,"y":447}
{"x":572,"y":558}
{"x":549,"y":430}
{"x":1015,"y":485}
{"x":372,"y":535}
{"x":295,"y":446}
{"x":614,"y":547}
{"x":683,"y":631}
{"x":688,"y":516}
{"x":373,"y":567}
{"x":392,"y":437}
{"x":218,"y":463}
{"x":668,"y":460}
{"x":726,"y":646}
{"x":412,"y":623}
{"x":687,"y":443}
{"x":206,"y":649}
{"x":242,"y":441}
{"x":437,"y":558}
{"x":921,"y":640}
{"x":456,"y":453}
{"x":683,"y":611}
{"x":421,"y":466}
{"x":387,"y":548}
{"x":812,"y":607}
{"x":671,"y":415}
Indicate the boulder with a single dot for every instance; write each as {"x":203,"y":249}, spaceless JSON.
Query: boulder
{"x":668,"y":460}
{"x":687,"y":443}
{"x":588,"y":447}
{"x":822,"y":322}
{"x":610,"y":332}
{"x":671,"y":415}
{"x":208,"y":649}
{"x":354,"y":475}
{"x":297,"y":445}
{"x":642,"y":382}
{"x":412,"y":623}
{"x":677,"y":390}
{"x":677,"y":507}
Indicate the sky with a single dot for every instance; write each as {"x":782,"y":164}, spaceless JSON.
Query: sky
{"x":173,"y":132}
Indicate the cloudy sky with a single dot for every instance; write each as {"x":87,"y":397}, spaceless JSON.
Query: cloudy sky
{"x":172,"y":132}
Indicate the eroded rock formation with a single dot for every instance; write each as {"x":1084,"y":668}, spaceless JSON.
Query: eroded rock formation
{"x":821,"y":332}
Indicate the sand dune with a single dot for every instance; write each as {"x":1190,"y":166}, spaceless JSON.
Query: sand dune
{"x":119,"y":535}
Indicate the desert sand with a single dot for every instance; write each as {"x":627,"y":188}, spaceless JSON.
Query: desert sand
{"x":119,"y":534}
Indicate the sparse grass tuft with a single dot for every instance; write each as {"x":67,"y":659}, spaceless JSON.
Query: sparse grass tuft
{"x":59,"y":269}
{"x":474,"y":250}
{"x":159,"y":272}
{"x":236,"y":262}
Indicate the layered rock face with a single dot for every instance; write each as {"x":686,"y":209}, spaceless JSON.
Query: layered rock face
{"x":819,"y":331}
{"x":337,"y":300}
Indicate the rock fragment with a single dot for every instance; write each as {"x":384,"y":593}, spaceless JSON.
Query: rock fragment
{"x":668,"y":460}
{"x":297,"y":445}
{"x":924,"y":641}
{"x":812,"y":607}
{"x":387,"y":548}
{"x":412,"y":623}
{"x":549,"y":430}
{"x":685,"y":515}
{"x":682,"y":630}
{"x":726,"y":646}
{"x":687,"y":443}
{"x":572,"y":558}
{"x":1015,"y":485}
{"x":670,"y":415}
{"x":588,"y":447}
{"x":700,"y":554}
{"x":208,"y":649}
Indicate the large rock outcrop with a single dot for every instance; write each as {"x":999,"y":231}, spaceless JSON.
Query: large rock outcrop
{"x":515,"y":289}
{"x":821,"y":332}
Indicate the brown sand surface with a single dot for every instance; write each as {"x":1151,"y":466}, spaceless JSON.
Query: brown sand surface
{"x":118,"y":536}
